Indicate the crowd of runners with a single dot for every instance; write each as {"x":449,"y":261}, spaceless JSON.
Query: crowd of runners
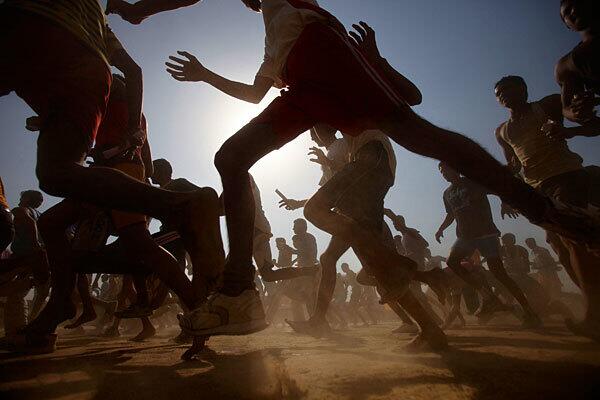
{"x":58,"y":269}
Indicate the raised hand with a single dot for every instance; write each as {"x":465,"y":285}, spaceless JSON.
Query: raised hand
{"x":582,"y":106}
{"x":129,"y":12}
{"x":438,"y":236}
{"x":508,"y":211}
{"x":188,"y":70}
{"x":556,"y":131}
{"x":365,"y":39}
{"x":320,"y":157}
{"x":290,"y":204}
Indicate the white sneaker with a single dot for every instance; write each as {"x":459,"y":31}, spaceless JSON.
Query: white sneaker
{"x":225,"y":315}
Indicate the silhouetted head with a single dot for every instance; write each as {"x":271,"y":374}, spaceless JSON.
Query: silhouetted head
{"x":511,"y":92}
{"x":531,"y":243}
{"x":448,"y":173}
{"x":579,"y":15}
{"x":31,"y":198}
{"x":345,"y":267}
{"x":280,"y":242}
{"x":163,"y":171}
{"x":300,"y":226}
{"x":508,"y":239}
{"x":399,"y":223}
{"x":254,"y":5}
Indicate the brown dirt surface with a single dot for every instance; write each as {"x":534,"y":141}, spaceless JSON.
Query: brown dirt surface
{"x":494,"y":362}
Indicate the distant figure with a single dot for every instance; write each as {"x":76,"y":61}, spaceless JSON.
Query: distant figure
{"x":546,"y":267}
{"x":467,"y":203}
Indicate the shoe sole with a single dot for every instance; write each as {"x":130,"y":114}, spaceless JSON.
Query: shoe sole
{"x":241,"y":329}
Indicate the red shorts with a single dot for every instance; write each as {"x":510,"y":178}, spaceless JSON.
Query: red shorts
{"x":62,"y":80}
{"x":329,"y":81}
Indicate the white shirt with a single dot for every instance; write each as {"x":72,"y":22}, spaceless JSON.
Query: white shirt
{"x":283,"y":25}
{"x":356,"y":142}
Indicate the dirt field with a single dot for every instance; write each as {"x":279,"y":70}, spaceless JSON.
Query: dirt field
{"x":500,"y":362}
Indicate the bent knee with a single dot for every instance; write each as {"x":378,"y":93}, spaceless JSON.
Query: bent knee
{"x":315,"y":209}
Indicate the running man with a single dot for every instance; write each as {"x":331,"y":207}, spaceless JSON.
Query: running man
{"x":547,"y":164}
{"x":547,"y":268}
{"x":578,"y":72}
{"x":466,"y":203}
{"x":57,"y":57}
{"x":7,"y":229}
{"x":311,"y":45}
{"x":27,"y":246}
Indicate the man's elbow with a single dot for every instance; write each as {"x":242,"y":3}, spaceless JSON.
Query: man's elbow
{"x":415,"y":99}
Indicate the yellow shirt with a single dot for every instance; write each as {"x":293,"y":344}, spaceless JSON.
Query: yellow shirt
{"x":83,"y":18}
{"x":283,"y":25}
{"x":541,"y":157}
{"x":3,"y":201}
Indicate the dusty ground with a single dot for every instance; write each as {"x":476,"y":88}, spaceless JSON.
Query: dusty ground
{"x":501,"y":362}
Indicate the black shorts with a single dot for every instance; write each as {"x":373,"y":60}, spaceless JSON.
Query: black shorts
{"x":358,"y":190}
{"x":7,"y":229}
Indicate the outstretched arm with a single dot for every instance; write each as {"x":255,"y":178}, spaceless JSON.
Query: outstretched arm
{"x":445,"y":224}
{"x":134,"y":84}
{"x":136,"y":12}
{"x":577,"y":104}
{"x":191,"y":70}
{"x":367,"y":43}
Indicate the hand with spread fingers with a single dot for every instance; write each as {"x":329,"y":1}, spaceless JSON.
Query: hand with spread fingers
{"x":319,"y":156}
{"x":555,"y":130}
{"x":508,"y":211}
{"x":129,"y":12}
{"x":188,"y":69}
{"x":291,"y":204}
{"x":365,"y":39}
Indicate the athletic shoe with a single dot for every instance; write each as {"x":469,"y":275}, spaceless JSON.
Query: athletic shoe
{"x":226,"y":315}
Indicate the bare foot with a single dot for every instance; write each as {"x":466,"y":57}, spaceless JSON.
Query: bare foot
{"x":146,"y":333}
{"x":85,"y":317}
{"x":198,"y":349}
{"x":434,"y":341}
{"x":200,"y":230}
{"x":111,"y":332}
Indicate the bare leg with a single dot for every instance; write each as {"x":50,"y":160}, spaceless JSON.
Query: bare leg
{"x":52,"y":225}
{"x":386,"y":265}
{"x":329,"y":258}
{"x":142,"y":248}
{"x":233,"y":161}
{"x":497,"y":268}
{"x":464,"y":155}
{"x":88,"y":313}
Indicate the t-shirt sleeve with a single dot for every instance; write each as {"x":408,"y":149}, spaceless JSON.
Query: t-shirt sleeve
{"x":267,"y":70}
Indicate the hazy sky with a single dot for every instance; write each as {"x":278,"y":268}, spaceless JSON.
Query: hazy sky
{"x":453,"y":50}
